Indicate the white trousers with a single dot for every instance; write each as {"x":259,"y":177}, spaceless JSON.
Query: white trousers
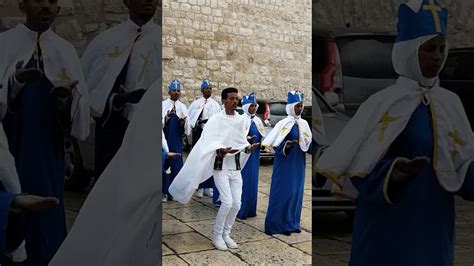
{"x":229,"y":184}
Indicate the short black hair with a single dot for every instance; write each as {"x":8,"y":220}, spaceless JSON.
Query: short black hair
{"x":227,"y":91}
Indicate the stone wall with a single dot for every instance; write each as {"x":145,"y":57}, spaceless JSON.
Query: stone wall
{"x":79,"y":21}
{"x":254,"y":45}
{"x":381,"y":14}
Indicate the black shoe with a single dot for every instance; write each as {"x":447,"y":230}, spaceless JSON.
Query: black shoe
{"x":297,"y":231}
{"x":286,"y":233}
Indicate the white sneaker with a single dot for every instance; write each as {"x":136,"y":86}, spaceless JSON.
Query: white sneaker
{"x":200,"y":193}
{"x":164,"y":198}
{"x":230,"y":243}
{"x":18,"y":255}
{"x":209,"y":192}
{"x":219,"y":242}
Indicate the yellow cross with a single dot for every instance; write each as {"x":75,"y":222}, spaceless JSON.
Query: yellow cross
{"x":115,"y":53}
{"x":306,"y":136}
{"x":145,"y":63}
{"x":63,"y":75}
{"x":434,"y":9}
{"x":261,"y":128}
{"x":299,"y":95}
{"x":283,"y":130}
{"x":385,"y":121}
{"x":455,"y":138}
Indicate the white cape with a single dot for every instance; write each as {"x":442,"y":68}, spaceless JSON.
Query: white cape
{"x":258,"y":122}
{"x":367,"y":137}
{"x":120,"y":221}
{"x":107,"y":54}
{"x":208,"y":109}
{"x":61,"y":64}
{"x":283,"y":127}
{"x":181,"y":112}
{"x":221,"y":131}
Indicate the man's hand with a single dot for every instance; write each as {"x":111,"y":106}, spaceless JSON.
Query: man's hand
{"x":65,"y":91}
{"x":406,"y":169}
{"x":224,"y":151}
{"x":251,"y":139}
{"x":290,"y":143}
{"x":25,"y":75}
{"x":34,"y":203}
{"x":255,"y":146}
{"x":173,"y":155}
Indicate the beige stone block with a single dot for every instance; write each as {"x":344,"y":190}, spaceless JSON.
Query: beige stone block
{"x":183,"y":51}
{"x":173,"y":260}
{"x":272,"y":252}
{"x":166,"y":251}
{"x":196,"y":213}
{"x":194,"y":242}
{"x":212,"y":257}
{"x":171,"y":227}
{"x":199,"y":53}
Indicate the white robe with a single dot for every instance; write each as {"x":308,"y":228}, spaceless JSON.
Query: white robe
{"x":221,"y":131}
{"x":283,"y":127}
{"x":120,"y":221}
{"x":61,"y":64}
{"x":208,"y":109}
{"x":181,"y":112}
{"x":367,"y":137}
{"x":107,"y":54}
{"x":248,"y":120}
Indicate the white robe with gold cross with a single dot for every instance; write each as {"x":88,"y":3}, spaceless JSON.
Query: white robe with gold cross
{"x":378,"y":122}
{"x":107,"y":54}
{"x":61,"y":65}
{"x":283,"y":127}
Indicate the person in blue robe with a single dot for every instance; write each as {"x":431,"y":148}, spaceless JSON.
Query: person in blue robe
{"x":174,"y":130}
{"x":288,"y":176}
{"x":36,"y":124}
{"x":403,"y":215}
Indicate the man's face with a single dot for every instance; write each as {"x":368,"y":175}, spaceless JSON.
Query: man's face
{"x":142,"y":8}
{"x":253,"y":108}
{"x":40,"y":13}
{"x":175,"y":94}
{"x":431,"y":56}
{"x":231,"y":101}
{"x":298,"y":109}
{"x":206,"y":92}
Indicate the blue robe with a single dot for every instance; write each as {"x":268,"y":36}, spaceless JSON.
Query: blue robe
{"x":36,"y":138}
{"x":250,"y":178}
{"x":418,"y":229}
{"x":287,"y":187}
{"x":174,"y":136}
{"x":110,"y":129}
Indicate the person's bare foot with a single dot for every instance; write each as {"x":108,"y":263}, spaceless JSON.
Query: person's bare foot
{"x":34,"y":203}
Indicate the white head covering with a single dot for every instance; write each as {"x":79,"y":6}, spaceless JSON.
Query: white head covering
{"x":405,"y":58}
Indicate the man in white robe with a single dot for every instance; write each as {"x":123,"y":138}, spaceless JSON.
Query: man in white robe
{"x":199,"y":113}
{"x":218,"y":154}
{"x":119,"y":65}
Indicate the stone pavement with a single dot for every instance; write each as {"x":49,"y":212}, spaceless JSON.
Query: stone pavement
{"x":332,"y":243}
{"x":187,"y":233}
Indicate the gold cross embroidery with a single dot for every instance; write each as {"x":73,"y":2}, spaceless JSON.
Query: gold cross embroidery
{"x":115,"y":53}
{"x":434,"y":10}
{"x":305,"y":136}
{"x":261,"y":128}
{"x":283,"y":130}
{"x":455,"y":138}
{"x":145,"y":63}
{"x":385,"y":121}
{"x":299,"y":95}
{"x":63,"y":75}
